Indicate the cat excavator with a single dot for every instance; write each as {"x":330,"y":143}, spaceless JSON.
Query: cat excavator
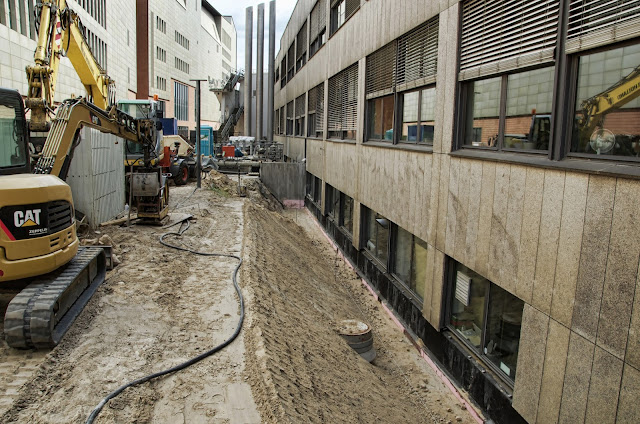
{"x":39,"y":248}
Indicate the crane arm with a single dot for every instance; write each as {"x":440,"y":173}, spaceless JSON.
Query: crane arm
{"x":60,"y":34}
{"x":614,"y":97}
{"x":74,"y":114}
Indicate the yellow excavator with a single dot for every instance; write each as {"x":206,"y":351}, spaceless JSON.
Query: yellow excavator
{"x":39,"y":248}
{"x":591,"y":128}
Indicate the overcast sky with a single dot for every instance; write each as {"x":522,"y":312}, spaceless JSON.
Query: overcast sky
{"x":237,"y":9}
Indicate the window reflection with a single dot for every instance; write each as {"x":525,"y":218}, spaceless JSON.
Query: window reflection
{"x":528,"y":119}
{"x":377,"y":235}
{"x":380,"y":118}
{"x":483,"y":112}
{"x":418,"y":116}
{"x":607,"y":118}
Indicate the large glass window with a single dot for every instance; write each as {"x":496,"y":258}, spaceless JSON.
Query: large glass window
{"x":341,"y":10}
{"x":487,"y":318}
{"x":408,"y":62}
{"x":410,"y":260}
{"x":346,"y":213}
{"x":376,"y":235}
{"x":525,"y":120}
{"x":418,"y":116}
{"x":181,"y":101}
{"x":332,"y":202}
{"x":607,"y":119}
{"x":380,"y":118}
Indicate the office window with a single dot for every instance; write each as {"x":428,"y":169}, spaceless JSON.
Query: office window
{"x":161,"y":54}
{"x":346,"y":213}
{"x":317,"y":27}
{"x":487,"y":318}
{"x":317,"y":190}
{"x":341,"y":10}
{"x":282,"y":121}
{"x":301,"y":47}
{"x":376,"y":235}
{"x":392,"y":74}
{"x":315,"y":120}
{"x":291,"y":61}
{"x":607,"y":103}
{"x":300,"y":111}
{"x":418,"y":116}
{"x":161,"y":25}
{"x":508,"y":111}
{"x":290,"y":124}
{"x":409,"y":260}
{"x":161,"y":83}
{"x":343,"y":104}
{"x":181,"y":101}
{"x":181,"y":40}
{"x":283,"y":78}
{"x":332,"y":202}
{"x":276,"y":121}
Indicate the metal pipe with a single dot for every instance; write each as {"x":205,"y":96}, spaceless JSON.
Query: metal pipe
{"x":248,"y":35}
{"x":272,"y":58}
{"x":199,"y":157}
{"x":260,"y":73}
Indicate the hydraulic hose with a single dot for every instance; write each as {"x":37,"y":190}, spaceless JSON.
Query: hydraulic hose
{"x":103,"y":402}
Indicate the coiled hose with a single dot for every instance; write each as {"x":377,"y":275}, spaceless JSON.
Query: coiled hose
{"x":103,"y":402}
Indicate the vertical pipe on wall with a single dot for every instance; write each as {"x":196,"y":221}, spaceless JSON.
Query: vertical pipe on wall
{"x":271,"y":59}
{"x":248,"y":35}
{"x":260,"y":73}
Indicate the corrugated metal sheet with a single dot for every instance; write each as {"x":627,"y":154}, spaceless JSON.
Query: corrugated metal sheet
{"x":96,"y":176}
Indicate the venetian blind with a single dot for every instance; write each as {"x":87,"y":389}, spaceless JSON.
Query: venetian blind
{"x":301,"y":41}
{"x":594,"y":23}
{"x":290,"y":110}
{"x":343,"y":100}
{"x":418,"y":55}
{"x":381,"y":71}
{"x":300,"y":105}
{"x":315,"y":101}
{"x":291,"y":57}
{"x":318,"y":19}
{"x":282,"y":125}
{"x":350,"y":7}
{"x":501,"y":35}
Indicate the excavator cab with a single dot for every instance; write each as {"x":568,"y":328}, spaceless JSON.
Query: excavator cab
{"x":14,"y":137}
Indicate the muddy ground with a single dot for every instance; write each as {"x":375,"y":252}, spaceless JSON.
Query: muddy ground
{"x":160,"y":307}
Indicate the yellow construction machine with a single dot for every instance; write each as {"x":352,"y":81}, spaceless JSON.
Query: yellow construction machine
{"x":39,"y":248}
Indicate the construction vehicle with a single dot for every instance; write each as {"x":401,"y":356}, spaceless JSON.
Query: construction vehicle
{"x":590,"y":125}
{"x":39,"y":247}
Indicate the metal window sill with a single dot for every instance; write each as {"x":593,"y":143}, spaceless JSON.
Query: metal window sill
{"x":424,"y":148}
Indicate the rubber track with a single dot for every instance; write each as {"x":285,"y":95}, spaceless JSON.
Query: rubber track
{"x":42,"y":313}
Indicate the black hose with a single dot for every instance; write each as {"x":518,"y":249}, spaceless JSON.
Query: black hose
{"x":103,"y":402}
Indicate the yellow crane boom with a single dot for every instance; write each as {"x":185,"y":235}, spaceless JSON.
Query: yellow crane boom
{"x":60,"y":34}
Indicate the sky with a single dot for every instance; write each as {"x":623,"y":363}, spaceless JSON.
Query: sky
{"x":237,"y":9}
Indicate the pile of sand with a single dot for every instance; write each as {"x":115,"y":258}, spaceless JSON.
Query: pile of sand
{"x":218,"y":181}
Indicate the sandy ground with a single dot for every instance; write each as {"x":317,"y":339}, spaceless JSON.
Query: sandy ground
{"x":160,"y":307}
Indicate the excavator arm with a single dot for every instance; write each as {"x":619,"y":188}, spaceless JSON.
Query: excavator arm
{"x":60,"y":34}
{"x":614,"y":97}
{"x":72,"y":115}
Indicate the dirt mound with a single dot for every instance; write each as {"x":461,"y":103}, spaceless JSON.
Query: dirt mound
{"x":300,"y":369}
{"x":218,"y":181}
{"x":260,"y":194}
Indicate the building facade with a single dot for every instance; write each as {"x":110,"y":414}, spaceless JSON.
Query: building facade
{"x":149,"y":48}
{"x":477,"y":161}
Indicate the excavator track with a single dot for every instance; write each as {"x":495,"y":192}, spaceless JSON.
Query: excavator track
{"x":42,"y":313}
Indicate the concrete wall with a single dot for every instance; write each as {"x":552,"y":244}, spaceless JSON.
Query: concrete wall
{"x":285,"y":180}
{"x":563,"y":240}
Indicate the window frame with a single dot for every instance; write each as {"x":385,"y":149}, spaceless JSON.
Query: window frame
{"x":563,"y":109}
{"x":462,"y":115}
{"x":450,"y":272}
{"x":365,"y":218}
{"x":407,"y":285}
